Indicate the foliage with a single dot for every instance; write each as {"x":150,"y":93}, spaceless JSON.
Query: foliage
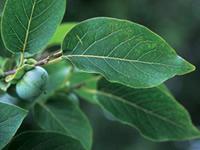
{"x":115,"y":64}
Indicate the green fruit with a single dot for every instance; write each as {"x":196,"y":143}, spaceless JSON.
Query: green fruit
{"x":32,"y":84}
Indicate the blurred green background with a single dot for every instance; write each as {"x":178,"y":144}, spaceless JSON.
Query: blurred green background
{"x":177,"y":21}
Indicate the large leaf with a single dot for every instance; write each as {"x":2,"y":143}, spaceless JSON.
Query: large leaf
{"x":44,"y":141}
{"x":28,"y":25}
{"x":123,"y":52}
{"x":154,"y":112}
{"x":61,"y":31}
{"x":63,"y":116}
{"x":11,"y":118}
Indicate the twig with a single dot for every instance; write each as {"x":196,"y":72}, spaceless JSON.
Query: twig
{"x":39,"y":63}
{"x":48,"y":58}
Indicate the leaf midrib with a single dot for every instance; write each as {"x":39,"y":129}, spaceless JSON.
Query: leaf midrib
{"x":58,"y":121}
{"x":136,"y":106}
{"x":121,"y":59}
{"x":54,"y":117}
{"x":28,"y":27}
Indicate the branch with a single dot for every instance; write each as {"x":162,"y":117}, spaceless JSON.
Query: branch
{"x":39,"y":63}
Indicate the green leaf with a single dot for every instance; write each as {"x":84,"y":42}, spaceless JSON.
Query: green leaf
{"x":84,"y":81}
{"x":3,"y":84}
{"x":64,"y":116}
{"x":154,"y":112}
{"x":61,"y":31}
{"x":28,"y":25}
{"x":123,"y":52}
{"x":44,"y":141}
{"x":5,"y":65}
{"x":11,"y":118}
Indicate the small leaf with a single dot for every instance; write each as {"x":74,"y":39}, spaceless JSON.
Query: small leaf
{"x":5,"y":65}
{"x":123,"y":52}
{"x":61,"y":31}
{"x":63,"y":116}
{"x":28,"y":25}
{"x":44,"y":141}
{"x":3,"y":85}
{"x":11,"y":118}
{"x":154,"y":112}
